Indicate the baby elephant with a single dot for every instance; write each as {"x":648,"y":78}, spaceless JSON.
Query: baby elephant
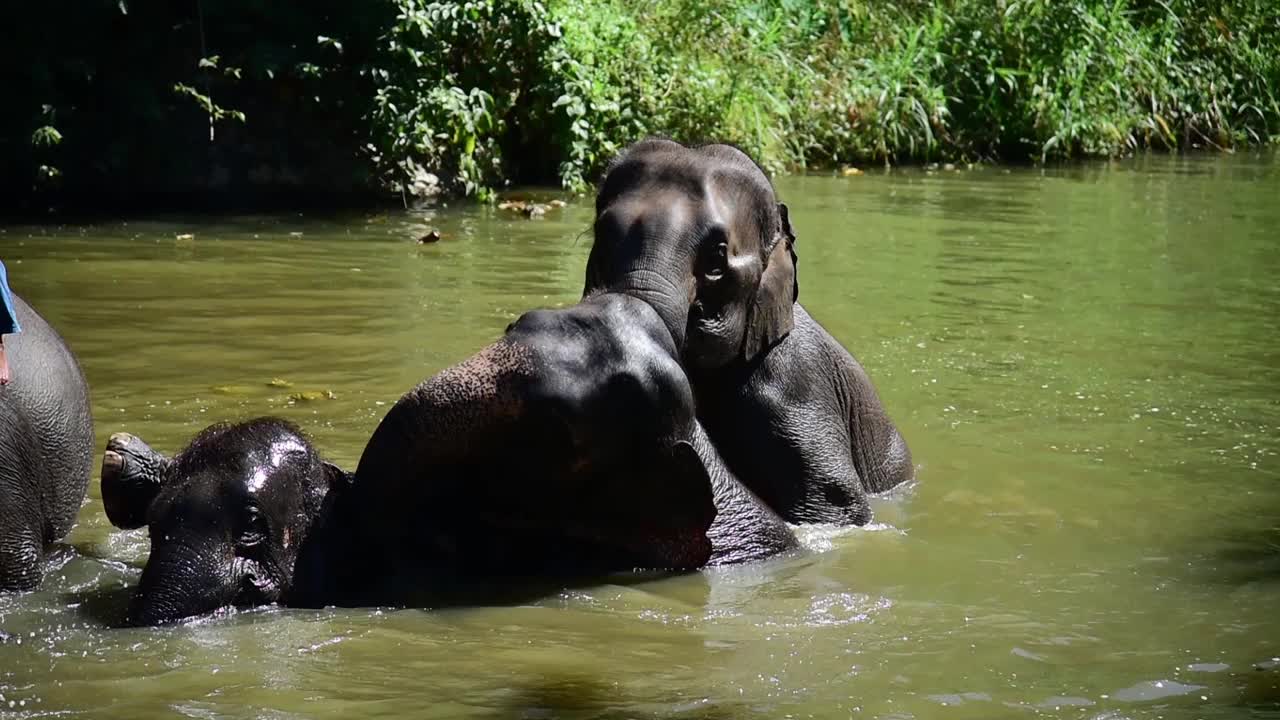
{"x":569,"y":447}
{"x":227,"y":515}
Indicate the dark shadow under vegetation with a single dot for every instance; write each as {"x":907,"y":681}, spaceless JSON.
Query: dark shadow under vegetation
{"x":115,"y":103}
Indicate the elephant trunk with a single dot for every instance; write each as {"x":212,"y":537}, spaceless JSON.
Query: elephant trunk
{"x":649,"y":280}
{"x":131,"y":476}
{"x":183,"y":580}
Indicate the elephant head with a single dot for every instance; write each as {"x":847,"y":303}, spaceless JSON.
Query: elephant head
{"x":699,"y":235}
{"x":563,"y":447}
{"x":227,"y":515}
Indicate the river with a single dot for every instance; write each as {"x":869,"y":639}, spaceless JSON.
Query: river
{"x":1085,"y":361}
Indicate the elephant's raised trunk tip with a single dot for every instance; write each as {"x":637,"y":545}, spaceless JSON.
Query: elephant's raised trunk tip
{"x":112,"y":465}
{"x":119,"y":440}
{"x":130,"y":479}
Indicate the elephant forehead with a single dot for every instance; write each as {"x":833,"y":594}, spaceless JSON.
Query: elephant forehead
{"x":645,"y":213}
{"x":202,"y":501}
{"x":658,"y":219}
{"x":264,"y":462}
{"x":229,"y":480}
{"x":608,"y":354}
{"x":589,"y":341}
{"x":672,"y":164}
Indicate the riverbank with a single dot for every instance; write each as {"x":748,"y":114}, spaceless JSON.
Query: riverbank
{"x":235,"y":105}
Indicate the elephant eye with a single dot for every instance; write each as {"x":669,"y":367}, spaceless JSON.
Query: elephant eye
{"x":254,"y":531}
{"x":718,"y":260}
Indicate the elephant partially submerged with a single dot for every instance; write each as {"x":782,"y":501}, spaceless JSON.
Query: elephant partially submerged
{"x":699,"y":234}
{"x":46,"y":447}
{"x":569,"y":447}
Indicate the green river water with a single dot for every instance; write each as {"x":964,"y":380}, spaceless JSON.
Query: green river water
{"x":1085,"y":362}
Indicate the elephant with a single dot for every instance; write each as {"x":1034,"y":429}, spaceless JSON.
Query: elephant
{"x":567,"y":448}
{"x":46,"y":447}
{"x":698,"y":233}
{"x":228,"y":515}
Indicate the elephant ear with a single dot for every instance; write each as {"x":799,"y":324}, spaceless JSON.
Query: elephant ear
{"x":772,"y":316}
{"x":595,"y":279}
{"x":335,"y":477}
{"x":132,"y":474}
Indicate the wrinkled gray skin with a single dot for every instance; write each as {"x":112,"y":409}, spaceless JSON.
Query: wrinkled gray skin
{"x":577,"y":428}
{"x":568,"y":447}
{"x":227,"y":515}
{"x":46,"y":447}
{"x":698,"y":234}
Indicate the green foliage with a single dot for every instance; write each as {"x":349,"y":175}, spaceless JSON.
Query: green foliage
{"x":213,"y":110}
{"x":134,"y":88}
{"x":454,"y":83}
{"x":802,"y":83}
{"x":482,"y":93}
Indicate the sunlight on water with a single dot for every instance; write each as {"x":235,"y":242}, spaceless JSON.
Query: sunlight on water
{"x":1086,"y":363}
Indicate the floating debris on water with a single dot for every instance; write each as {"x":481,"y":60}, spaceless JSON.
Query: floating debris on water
{"x":529,"y":208}
{"x":430,"y":237}
{"x":312,"y":395}
{"x":279,"y":383}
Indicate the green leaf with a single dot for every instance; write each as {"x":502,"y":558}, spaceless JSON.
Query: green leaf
{"x":324,"y":40}
{"x":46,"y":136}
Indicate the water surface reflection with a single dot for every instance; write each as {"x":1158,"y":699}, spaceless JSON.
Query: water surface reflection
{"x":1084,"y":360}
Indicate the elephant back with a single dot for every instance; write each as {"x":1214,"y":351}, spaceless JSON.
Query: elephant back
{"x":45,"y":416}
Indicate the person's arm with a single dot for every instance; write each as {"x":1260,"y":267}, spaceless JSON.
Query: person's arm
{"x":8,"y":321}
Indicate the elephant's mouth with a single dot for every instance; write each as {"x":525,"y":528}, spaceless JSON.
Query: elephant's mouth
{"x":258,"y":586}
{"x":165,"y":596}
{"x":709,"y":338}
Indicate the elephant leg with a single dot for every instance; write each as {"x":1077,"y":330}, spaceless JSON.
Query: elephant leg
{"x":832,"y":490}
{"x":745,"y":528}
{"x":21,"y":515}
{"x":21,"y":555}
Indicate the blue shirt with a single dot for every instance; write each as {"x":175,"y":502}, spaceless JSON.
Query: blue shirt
{"x":8,"y":312}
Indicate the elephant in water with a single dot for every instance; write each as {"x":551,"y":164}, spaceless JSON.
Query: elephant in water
{"x":568,"y":448}
{"x":699,"y":234}
{"x":46,"y":445}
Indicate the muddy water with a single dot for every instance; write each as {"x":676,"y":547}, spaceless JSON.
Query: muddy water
{"x":1085,"y":361}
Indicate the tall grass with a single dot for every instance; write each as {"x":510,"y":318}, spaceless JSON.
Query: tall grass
{"x":475,"y":94}
{"x":802,"y":83}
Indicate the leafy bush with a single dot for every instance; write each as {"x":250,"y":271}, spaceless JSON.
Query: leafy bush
{"x":471,"y":95}
{"x":804,"y":83}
